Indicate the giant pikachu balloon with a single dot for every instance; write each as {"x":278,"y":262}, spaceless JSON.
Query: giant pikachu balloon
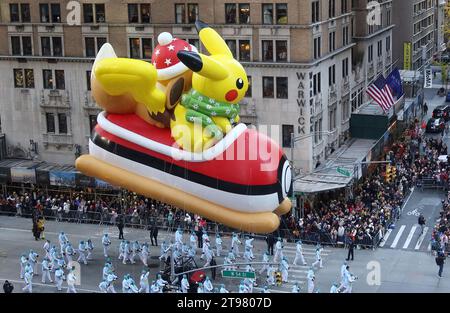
{"x":170,"y":131}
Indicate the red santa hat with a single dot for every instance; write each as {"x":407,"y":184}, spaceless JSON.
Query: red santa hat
{"x":164,"y":56}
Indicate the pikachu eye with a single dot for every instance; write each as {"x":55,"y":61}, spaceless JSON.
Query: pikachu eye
{"x":239,"y":83}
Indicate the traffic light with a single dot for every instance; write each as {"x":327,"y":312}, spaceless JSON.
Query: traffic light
{"x":393,"y":172}
{"x":388,"y":174}
{"x":278,"y":278}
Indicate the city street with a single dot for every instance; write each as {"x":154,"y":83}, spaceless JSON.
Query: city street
{"x":401,"y":270}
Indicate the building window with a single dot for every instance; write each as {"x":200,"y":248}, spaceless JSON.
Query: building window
{"x":96,"y":10}
{"x":345,"y":36}
{"x":88,"y":13}
{"x":316,"y":84}
{"x":56,"y":12}
{"x":50,"y":121}
{"x":281,"y":12}
{"x":232,"y":46}
{"x":282,"y":87}
{"x":50,"y":12}
{"x":23,"y":78}
{"x":331,"y":8}
{"x":92,"y":45}
{"x":180,"y":13}
{"x":267,"y":50}
{"x":244,"y":50}
{"x":19,"y":13}
{"x":92,"y":122}
{"x":267,"y":13}
{"x":230,"y":13}
{"x":62,"y":123}
{"x":139,"y":13}
{"x":48,"y":79}
{"x":133,"y":13}
{"x":332,"y":41}
{"x":332,"y":75}
{"x":46,"y":46}
{"x":268,"y":87}
{"x":380,"y":48}
{"x":60,"y":80}
{"x":100,"y":13}
{"x":345,"y":68}
{"x":88,"y":80}
{"x":192,"y":12}
{"x":315,"y":12}
{"x":287,"y":131}
{"x":21,"y":45}
{"x":57,"y":46}
{"x":317,"y":47}
{"x":140,"y":48}
{"x":248,"y":94}
{"x":388,"y":43}
{"x":15,"y":45}
{"x":51,"y":46}
{"x":281,"y":50}
{"x":370,"y":53}
{"x":388,"y":17}
{"x":14,"y":15}
{"x":344,"y":7}
{"x":244,"y":13}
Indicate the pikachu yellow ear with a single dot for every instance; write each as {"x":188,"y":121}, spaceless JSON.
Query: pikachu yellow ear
{"x":203,"y":65}
{"x":212,"y":41}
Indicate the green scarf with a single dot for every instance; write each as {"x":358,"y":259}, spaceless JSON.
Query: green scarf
{"x":201,"y":108}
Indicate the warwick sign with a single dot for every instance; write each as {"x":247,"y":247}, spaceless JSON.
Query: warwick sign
{"x":301,"y":102}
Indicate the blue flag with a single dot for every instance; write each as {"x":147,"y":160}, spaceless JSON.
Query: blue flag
{"x":395,"y":82}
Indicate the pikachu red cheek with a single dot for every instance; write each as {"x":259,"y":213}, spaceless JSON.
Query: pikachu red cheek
{"x":231,"y":95}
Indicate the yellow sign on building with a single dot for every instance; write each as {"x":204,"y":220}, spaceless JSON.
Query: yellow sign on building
{"x":407,"y":55}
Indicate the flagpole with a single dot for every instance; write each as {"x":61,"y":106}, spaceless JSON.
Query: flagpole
{"x":368,"y":83}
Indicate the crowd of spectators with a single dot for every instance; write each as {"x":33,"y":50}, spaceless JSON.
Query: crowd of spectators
{"x":89,"y":207}
{"x":377,"y":202}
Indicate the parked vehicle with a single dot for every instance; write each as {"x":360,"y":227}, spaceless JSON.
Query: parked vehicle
{"x":435,"y":125}
{"x":442,"y":110}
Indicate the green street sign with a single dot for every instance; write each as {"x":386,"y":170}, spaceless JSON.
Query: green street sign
{"x":343,"y":171}
{"x":238,"y":274}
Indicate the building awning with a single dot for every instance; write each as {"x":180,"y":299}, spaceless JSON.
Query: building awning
{"x":327,"y":177}
{"x":302,"y":186}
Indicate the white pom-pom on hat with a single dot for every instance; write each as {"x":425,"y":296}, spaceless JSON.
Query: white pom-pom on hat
{"x":165,"y":38}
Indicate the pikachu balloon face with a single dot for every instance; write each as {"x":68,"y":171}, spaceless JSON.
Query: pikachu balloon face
{"x":219,"y":75}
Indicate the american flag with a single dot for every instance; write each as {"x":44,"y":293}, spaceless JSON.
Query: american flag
{"x":380,"y":92}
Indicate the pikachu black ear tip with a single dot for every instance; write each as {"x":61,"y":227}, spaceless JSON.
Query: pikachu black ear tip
{"x":200,"y":25}
{"x":191,"y":59}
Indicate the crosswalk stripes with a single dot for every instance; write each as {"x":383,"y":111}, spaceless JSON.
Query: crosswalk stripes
{"x":419,"y":242}
{"x":414,"y":240}
{"x":397,"y":238}
{"x":385,"y":238}
{"x":410,"y":235}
